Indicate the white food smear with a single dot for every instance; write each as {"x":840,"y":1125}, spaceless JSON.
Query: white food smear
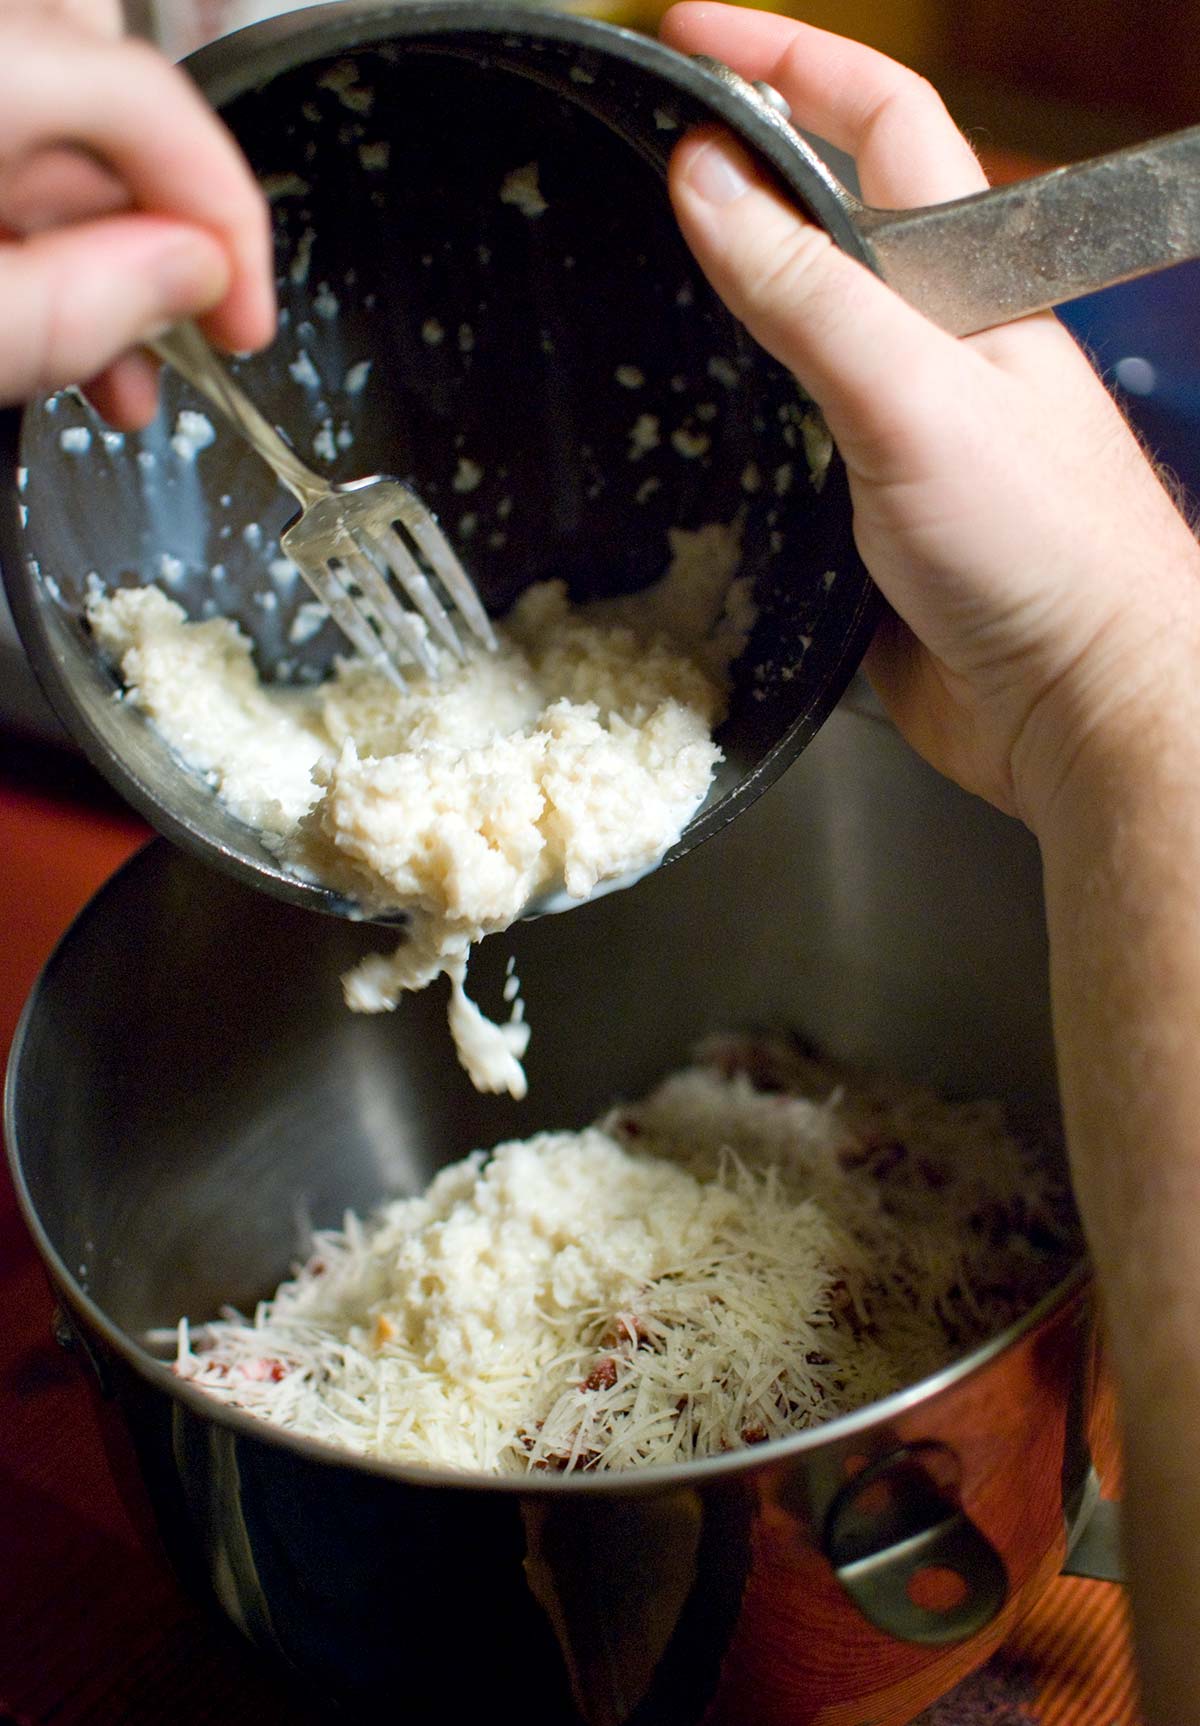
{"x":573,"y":756}
{"x":818,"y":446}
{"x":355,"y":381}
{"x":520,"y":188}
{"x":286,"y":185}
{"x":690,"y":444}
{"x":468,"y":475}
{"x":298,"y":272}
{"x":716,"y":1266}
{"x":310,"y":617}
{"x":193,"y":432}
{"x":304,"y":372}
{"x":342,"y":79}
{"x":643,"y":436}
{"x":323,"y":443}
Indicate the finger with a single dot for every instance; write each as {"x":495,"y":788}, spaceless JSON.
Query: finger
{"x":105,"y":17}
{"x":832,"y":84}
{"x":75,"y":298}
{"x":907,"y":149}
{"x":57,"y":186}
{"x":128,"y":105}
{"x":126,"y":393}
{"x":843,"y":333}
{"x":101,"y":17}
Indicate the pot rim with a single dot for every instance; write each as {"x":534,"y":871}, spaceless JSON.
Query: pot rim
{"x":225,"y":70}
{"x":654,"y":1477}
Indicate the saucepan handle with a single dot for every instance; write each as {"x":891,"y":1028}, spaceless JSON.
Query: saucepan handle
{"x":1001,"y":254}
{"x":1017,"y":249}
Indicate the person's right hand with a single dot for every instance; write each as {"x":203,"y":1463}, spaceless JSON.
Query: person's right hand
{"x":1047,"y":592}
{"x":125,"y":205}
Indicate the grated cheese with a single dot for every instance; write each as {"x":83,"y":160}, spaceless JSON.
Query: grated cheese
{"x":755,"y":1248}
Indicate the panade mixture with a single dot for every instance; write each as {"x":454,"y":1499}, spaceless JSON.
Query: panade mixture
{"x":572,"y":757}
{"x":762,"y":1244}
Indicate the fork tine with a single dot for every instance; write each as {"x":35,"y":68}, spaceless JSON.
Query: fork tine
{"x":440,"y":554}
{"x":412,"y":578}
{"x":399,"y":628}
{"x":325,"y":533}
{"x":330,"y":590}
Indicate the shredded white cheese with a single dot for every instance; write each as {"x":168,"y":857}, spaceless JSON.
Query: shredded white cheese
{"x":719,"y":1265}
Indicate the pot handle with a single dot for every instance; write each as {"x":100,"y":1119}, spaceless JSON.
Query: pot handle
{"x":908,"y":1555}
{"x":1002,"y":254}
{"x":1017,"y":249}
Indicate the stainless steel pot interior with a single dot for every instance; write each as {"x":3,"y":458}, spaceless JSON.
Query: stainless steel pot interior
{"x":562,"y":387}
{"x":188,"y":1093}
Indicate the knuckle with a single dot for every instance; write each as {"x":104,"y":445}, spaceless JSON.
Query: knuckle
{"x":906,"y":94}
{"x":788,"y":265}
{"x":919,"y":89}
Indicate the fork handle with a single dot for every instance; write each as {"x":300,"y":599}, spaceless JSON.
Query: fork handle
{"x":185,"y":349}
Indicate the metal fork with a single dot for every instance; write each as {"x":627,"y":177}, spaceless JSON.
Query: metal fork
{"x":348,"y":538}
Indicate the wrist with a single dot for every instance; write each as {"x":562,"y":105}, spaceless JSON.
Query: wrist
{"x":1118,"y":729}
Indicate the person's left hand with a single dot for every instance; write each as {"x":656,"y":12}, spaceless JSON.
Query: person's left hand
{"x":125,"y":205}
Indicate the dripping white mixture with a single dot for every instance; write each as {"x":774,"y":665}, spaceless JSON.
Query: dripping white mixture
{"x":573,"y":756}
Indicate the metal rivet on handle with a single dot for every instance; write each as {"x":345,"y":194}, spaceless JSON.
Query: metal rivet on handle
{"x":772,"y":97}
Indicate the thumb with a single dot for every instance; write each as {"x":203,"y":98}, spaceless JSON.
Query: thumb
{"x":854,"y":345}
{"x":78,"y":296}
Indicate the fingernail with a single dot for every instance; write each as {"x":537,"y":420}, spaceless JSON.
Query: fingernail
{"x":715,"y":174}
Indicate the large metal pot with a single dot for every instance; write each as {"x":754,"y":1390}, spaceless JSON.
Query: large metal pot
{"x":187,"y":1089}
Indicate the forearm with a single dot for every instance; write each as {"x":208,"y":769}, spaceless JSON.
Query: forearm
{"x":1121,"y":853}
{"x":1043,"y":650}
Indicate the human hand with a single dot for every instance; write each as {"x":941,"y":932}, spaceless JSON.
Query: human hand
{"x":1046,"y":590}
{"x":125,"y":205}
{"x":101,"y":17}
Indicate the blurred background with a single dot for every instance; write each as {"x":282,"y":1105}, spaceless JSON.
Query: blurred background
{"x":1032,"y":85}
{"x":1069,"y":79}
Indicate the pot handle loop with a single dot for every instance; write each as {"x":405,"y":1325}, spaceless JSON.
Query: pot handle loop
{"x":908,"y":1555}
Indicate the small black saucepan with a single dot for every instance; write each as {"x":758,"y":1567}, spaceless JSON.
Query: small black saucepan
{"x":559,"y":383}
